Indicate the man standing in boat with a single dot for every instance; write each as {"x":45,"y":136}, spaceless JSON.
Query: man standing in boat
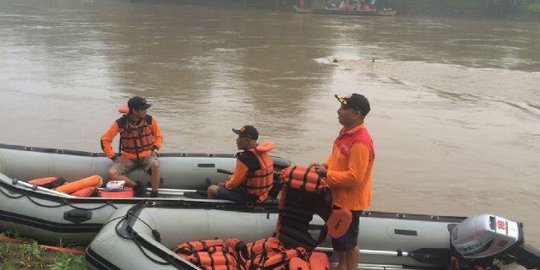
{"x":348,"y":172}
{"x":140,"y":140}
{"x":253,"y":175}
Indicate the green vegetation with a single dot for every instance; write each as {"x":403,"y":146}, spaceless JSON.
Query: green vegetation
{"x":33,"y":256}
{"x":499,"y":8}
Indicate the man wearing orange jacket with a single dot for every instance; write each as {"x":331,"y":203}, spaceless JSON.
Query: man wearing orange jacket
{"x":140,"y":140}
{"x":348,"y":172}
{"x":253,"y":176}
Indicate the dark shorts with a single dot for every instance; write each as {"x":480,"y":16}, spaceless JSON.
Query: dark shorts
{"x":235,"y":195}
{"x":349,"y":240}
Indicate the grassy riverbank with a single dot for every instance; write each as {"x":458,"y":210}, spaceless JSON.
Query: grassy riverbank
{"x":30,"y":255}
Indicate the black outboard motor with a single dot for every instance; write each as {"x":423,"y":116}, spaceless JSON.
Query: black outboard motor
{"x":479,"y":240}
{"x":279,"y":164}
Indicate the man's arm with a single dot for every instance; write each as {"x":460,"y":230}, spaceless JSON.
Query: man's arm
{"x":107,"y":138}
{"x":239,"y":176}
{"x":356,"y":169}
{"x":157,"y":134}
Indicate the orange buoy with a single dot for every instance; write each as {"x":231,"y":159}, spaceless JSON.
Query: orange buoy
{"x":338,"y":222}
{"x":91,"y":181}
{"x":124,"y":109}
{"x":84,"y":192}
{"x":48,"y":182}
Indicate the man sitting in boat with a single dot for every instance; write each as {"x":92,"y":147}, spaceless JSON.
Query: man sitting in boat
{"x":140,"y":140}
{"x":254,"y":172}
{"x":368,"y":5}
{"x":348,"y":172}
{"x":345,"y":5}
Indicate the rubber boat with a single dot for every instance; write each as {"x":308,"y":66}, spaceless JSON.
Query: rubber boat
{"x":143,"y":237}
{"x":338,"y":11}
{"x":163,"y":235}
{"x":49,"y":216}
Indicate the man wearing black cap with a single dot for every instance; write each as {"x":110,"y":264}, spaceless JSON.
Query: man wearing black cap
{"x":348,"y":172}
{"x":140,"y":140}
{"x":253,"y":175}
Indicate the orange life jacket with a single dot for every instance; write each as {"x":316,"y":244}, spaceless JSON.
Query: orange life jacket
{"x":268,"y":253}
{"x":275,"y":258}
{"x":136,"y":138}
{"x":298,"y":264}
{"x":189,"y":248}
{"x":214,"y":254}
{"x":303,"y":178}
{"x":319,"y":261}
{"x":303,"y":192}
{"x":282,"y":258}
{"x":211,"y":259}
{"x":255,"y":253}
{"x":261,"y":181}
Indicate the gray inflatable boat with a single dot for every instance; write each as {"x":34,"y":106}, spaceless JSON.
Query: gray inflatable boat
{"x":53,"y":217}
{"x":142,"y":237}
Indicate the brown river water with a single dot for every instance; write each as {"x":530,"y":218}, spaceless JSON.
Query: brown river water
{"x":455,"y":102}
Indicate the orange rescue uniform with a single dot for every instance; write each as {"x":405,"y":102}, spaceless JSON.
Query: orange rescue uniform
{"x":262,"y":178}
{"x":349,"y":169}
{"x":114,"y":129}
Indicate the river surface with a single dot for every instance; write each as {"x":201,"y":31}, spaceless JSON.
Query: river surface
{"x":455,"y":102}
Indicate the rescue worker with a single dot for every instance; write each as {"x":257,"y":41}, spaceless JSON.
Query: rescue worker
{"x":140,"y":141}
{"x":348,"y":172}
{"x":253,"y":175}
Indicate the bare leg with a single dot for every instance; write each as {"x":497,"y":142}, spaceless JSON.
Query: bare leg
{"x":352,"y":257}
{"x":155,"y":176}
{"x":114,"y":175}
{"x":212,"y":191}
{"x":341,"y":263}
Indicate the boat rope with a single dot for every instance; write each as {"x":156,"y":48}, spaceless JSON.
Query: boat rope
{"x":62,"y":201}
{"x":55,"y":248}
{"x":11,"y":196}
{"x":134,"y":236}
{"x":143,"y":245}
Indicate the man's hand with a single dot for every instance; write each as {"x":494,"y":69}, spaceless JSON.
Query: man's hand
{"x":315,"y":164}
{"x":321,"y":170}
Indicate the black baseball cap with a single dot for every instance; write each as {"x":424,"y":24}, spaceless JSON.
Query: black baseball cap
{"x":355,"y":101}
{"x":138,"y":103}
{"x":247,"y":131}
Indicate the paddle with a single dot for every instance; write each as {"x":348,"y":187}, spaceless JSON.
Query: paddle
{"x":46,"y":190}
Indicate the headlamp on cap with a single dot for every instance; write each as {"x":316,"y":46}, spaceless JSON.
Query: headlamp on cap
{"x":355,"y":101}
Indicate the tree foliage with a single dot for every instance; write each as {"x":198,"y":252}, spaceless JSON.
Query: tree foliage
{"x":467,"y":7}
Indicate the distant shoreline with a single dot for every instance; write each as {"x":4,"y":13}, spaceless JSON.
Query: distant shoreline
{"x":507,"y":10}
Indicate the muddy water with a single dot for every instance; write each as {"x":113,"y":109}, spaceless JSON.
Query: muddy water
{"x":455,"y":104}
